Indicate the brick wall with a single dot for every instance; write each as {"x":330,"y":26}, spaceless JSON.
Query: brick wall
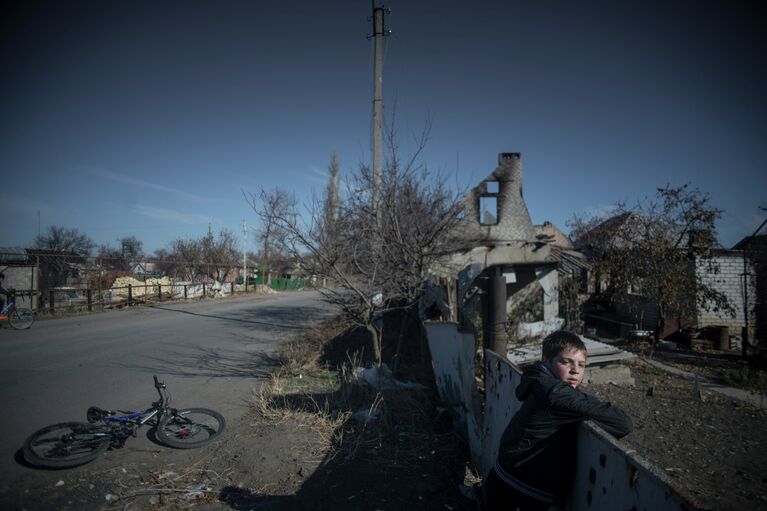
{"x":513,"y":218}
{"x":728,"y":280}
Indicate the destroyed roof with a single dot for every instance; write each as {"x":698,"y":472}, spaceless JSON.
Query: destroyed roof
{"x":503,"y":216}
{"x":549,"y":233}
{"x":570,"y":261}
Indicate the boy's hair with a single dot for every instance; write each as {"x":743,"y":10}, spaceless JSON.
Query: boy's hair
{"x":560,"y":342}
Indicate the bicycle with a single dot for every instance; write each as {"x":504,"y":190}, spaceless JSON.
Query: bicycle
{"x":18,"y":318}
{"x":69,"y":444}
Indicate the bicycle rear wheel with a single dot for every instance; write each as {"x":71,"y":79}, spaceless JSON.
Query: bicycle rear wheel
{"x":66,"y":444}
{"x":21,"y":319}
{"x":190,"y":428}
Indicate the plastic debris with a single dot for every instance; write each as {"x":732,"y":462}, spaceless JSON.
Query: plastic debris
{"x":382,"y":379}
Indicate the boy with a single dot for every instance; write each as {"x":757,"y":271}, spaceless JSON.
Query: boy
{"x":537,"y":453}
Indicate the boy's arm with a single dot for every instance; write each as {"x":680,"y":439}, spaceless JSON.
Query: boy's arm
{"x":571,"y":404}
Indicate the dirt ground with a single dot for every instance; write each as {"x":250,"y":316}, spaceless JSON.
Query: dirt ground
{"x":712,"y":447}
{"x":313,"y":441}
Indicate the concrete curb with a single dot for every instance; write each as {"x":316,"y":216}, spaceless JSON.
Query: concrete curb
{"x":758,"y":400}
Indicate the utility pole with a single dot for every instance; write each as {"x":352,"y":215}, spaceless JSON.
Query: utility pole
{"x":378,"y":34}
{"x":245,"y":253}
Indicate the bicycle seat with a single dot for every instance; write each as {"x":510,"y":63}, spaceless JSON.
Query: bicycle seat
{"x":95,"y":414}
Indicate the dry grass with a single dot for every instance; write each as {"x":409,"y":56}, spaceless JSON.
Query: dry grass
{"x":353,"y":419}
{"x":303,"y":353}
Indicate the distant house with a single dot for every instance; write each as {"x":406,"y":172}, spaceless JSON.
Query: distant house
{"x":58,"y":267}
{"x":754,"y":250}
{"x":144,"y":269}
{"x":632,"y":310}
{"x":727,"y":277}
{"x":20,"y":274}
{"x":289,"y":272}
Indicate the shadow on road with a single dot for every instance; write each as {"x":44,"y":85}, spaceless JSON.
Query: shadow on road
{"x":197,"y":361}
{"x":261,"y":312}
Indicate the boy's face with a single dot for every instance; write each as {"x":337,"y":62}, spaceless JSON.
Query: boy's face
{"x":568,"y":366}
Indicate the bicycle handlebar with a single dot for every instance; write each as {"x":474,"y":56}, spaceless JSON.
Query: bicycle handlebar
{"x":160,"y":386}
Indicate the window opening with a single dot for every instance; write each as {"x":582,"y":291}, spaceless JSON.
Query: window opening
{"x":488,"y":210}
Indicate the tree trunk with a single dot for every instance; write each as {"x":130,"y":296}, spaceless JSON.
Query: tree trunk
{"x":403,"y":323}
{"x":376,"y":335}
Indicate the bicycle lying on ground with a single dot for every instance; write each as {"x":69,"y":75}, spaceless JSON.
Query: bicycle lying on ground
{"x":18,"y":318}
{"x":69,"y":444}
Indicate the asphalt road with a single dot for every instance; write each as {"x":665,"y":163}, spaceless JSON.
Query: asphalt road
{"x":211,"y":354}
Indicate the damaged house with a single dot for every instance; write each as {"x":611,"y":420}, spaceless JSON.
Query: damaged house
{"x":652,"y":286}
{"x":505,"y":268}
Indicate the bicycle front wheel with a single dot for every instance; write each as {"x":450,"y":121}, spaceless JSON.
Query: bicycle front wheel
{"x":190,"y":428}
{"x":67,"y":444}
{"x":21,"y":319}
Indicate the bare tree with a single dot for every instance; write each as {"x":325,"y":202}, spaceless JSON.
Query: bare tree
{"x":59,"y":249}
{"x":119,"y":259}
{"x":273,"y":208}
{"x":220,"y":254}
{"x":112,"y":259}
{"x":374,"y":264}
{"x":652,"y":250}
{"x":332,"y":198}
{"x":131,"y":248}
{"x":186,"y":257}
{"x":164,"y":261}
{"x":211,"y":256}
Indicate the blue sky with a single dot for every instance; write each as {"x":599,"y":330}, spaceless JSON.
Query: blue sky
{"x":147,"y":119}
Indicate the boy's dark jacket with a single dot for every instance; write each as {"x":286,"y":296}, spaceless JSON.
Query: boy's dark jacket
{"x":538,"y":446}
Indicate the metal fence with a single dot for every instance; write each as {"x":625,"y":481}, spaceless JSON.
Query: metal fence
{"x":78,"y":283}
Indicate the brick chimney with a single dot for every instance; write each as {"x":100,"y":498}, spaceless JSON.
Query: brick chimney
{"x":496,"y":209}
{"x":514,"y":220}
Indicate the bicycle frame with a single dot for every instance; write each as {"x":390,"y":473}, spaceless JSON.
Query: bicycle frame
{"x":68,"y":444}
{"x":137,"y":418}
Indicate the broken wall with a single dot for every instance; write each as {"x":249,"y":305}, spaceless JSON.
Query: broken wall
{"x":608,"y":476}
{"x":495,"y":210}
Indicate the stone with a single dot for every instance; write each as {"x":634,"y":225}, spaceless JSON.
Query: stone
{"x":614,"y":373}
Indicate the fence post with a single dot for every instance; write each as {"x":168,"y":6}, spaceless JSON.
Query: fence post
{"x":231,"y":284}
{"x":204,"y":292}
{"x":184,"y":291}
{"x":52,"y":297}
{"x":159,"y":292}
{"x":101,"y":291}
{"x":90,"y":299}
{"x":130,"y":294}
{"x":38,"y":286}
